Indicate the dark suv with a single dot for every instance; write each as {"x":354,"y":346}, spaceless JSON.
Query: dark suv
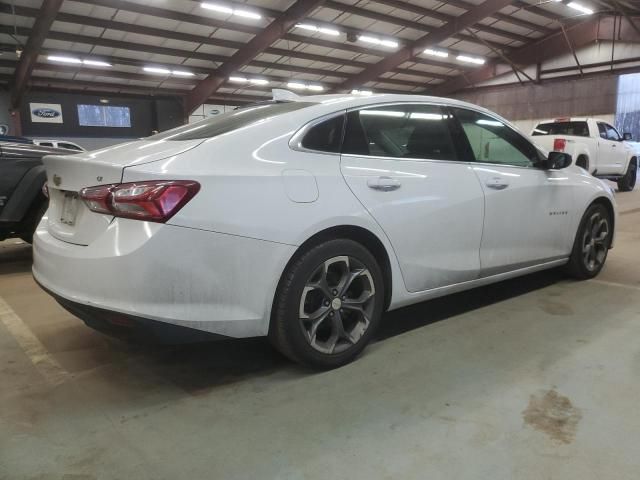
{"x":22,"y":176}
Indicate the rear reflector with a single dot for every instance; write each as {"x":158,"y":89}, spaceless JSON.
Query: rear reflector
{"x":152,"y":201}
{"x":559,"y":144}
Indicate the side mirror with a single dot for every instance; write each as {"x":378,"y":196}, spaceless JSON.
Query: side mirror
{"x":627,"y":137}
{"x":557,"y":161}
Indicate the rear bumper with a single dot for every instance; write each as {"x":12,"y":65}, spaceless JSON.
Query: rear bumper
{"x":130,"y":327}
{"x":212,"y":282}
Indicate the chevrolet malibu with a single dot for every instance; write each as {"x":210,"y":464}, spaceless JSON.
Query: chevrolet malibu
{"x":305,"y":220}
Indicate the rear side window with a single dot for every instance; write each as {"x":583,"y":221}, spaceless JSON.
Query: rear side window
{"x":400,"y":131}
{"x":575,"y":129}
{"x":325,"y":136}
{"x":46,"y":144}
{"x":227,"y":122}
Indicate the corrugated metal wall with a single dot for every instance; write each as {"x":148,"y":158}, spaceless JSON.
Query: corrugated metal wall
{"x":596,"y":96}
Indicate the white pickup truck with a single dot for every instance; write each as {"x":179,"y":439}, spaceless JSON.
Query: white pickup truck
{"x":594,"y":145}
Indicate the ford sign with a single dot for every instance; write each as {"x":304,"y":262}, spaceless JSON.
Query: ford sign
{"x":45,"y":112}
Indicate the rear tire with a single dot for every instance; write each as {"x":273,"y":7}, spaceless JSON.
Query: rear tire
{"x":328,"y":305}
{"x":591,"y":244}
{"x":628,"y":182}
{"x":32,"y":220}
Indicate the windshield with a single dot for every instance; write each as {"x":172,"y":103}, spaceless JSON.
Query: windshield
{"x":576,"y":129}
{"x":229,"y":121}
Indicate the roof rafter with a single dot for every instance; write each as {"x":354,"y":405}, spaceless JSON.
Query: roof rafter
{"x":580,"y":35}
{"x":407,"y":53}
{"x":262,"y":41}
{"x":41,"y":27}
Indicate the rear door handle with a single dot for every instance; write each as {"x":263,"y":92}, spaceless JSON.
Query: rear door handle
{"x":497,"y":183}
{"x":383,"y":184}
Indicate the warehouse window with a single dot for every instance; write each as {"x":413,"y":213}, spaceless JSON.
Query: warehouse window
{"x":104,"y":116}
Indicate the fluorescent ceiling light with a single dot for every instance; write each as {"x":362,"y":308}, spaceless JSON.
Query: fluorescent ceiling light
{"x":182,"y":73}
{"x":96,"y":63}
{"x":238,"y":79}
{"x":580,"y":8}
{"x":377,"y":41}
{"x":436,"y":53}
{"x":382,"y":113}
{"x":315,"y":88}
{"x":314,"y":28}
{"x":259,"y":81}
{"x":55,"y":58}
{"x":255,"y":81}
{"x":247,"y":14}
{"x":361,"y":92}
{"x":425,"y":116}
{"x":163,"y":71}
{"x":296,"y":85}
{"x":491,"y":123}
{"x":466,"y":58}
{"x":231,"y":11}
{"x":217,"y":8}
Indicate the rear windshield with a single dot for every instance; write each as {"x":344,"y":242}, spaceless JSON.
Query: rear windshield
{"x":229,"y":121}
{"x":576,"y":129}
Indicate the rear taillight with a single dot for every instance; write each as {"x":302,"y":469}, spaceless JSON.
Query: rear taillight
{"x":153,"y":201}
{"x":559,"y":145}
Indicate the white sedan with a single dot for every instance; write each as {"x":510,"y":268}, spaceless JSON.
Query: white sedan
{"x":305,"y":220}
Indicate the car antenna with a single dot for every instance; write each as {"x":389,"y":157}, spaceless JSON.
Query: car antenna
{"x":282,"y":95}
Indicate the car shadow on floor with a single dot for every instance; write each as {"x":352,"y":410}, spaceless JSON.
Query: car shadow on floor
{"x":202,"y":366}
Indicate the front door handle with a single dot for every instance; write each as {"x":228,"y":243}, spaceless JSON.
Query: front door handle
{"x":497,"y":183}
{"x":383,"y":184}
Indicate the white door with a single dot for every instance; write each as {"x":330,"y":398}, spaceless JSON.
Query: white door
{"x":612,"y":154}
{"x":401,"y":163}
{"x":527,"y":209}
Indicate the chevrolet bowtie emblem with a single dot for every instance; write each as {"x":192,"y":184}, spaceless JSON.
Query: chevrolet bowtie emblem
{"x":57,"y":180}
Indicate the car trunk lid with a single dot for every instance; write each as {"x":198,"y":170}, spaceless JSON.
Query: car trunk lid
{"x":68,"y":217}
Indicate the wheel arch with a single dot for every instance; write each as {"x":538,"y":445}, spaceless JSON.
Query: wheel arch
{"x":606,"y":203}
{"x":358,"y":234}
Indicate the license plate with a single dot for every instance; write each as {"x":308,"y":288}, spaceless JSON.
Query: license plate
{"x":69,"y":208}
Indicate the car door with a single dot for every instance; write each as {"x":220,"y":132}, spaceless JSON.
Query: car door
{"x":15,"y":161}
{"x":619,"y":152}
{"x":402,"y":164}
{"x":609,"y":148}
{"x":527,"y":209}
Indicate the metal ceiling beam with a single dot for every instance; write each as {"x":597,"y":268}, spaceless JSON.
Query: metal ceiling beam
{"x":276,"y":29}
{"x":419,"y":10}
{"x":627,"y":16}
{"x":421,"y":27}
{"x":198,"y":39}
{"x":409,"y":52}
{"x":580,"y":35}
{"x":285,"y":67}
{"x":39,"y":31}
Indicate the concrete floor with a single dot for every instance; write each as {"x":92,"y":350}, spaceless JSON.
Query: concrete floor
{"x":535,"y":378}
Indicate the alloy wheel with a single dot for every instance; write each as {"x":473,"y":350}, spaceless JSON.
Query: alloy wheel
{"x":336,"y":304}
{"x":595,"y":241}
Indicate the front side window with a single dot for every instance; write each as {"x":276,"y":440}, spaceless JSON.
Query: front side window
{"x":399,"y":131}
{"x":492,"y":141}
{"x":612,"y":133}
{"x":326,"y":136}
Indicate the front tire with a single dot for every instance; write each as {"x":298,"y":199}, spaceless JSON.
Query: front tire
{"x":628,"y":182}
{"x":328,"y":305}
{"x":591,"y":244}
